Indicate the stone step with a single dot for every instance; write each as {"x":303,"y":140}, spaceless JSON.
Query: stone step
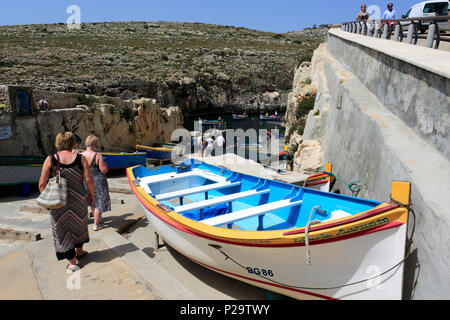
{"x":17,"y":280}
{"x":204,"y":283}
{"x":167,"y":286}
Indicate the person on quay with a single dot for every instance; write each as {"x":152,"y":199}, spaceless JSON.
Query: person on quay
{"x":98,"y":168}
{"x":69,"y":223}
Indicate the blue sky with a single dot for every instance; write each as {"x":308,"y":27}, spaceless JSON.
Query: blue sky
{"x":265,"y":15}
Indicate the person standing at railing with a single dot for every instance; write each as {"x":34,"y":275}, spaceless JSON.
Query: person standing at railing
{"x":389,"y":14}
{"x":363,"y":15}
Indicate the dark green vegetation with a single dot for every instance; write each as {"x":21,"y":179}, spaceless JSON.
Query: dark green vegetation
{"x":186,"y":64}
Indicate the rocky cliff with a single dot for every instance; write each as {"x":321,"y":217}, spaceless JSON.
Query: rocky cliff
{"x":307,"y":155}
{"x":119,"y":124}
{"x":198,"y":67}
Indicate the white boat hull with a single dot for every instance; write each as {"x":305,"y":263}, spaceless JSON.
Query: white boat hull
{"x":12,"y":175}
{"x":335,"y":265}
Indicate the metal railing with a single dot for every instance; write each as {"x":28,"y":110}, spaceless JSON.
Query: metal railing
{"x":386,"y":29}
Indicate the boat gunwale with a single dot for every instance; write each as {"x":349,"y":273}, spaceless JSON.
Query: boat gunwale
{"x":264,"y":238}
{"x":139,"y":147}
{"x":123,"y":154}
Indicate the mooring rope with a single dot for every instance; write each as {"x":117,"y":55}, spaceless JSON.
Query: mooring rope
{"x":354,"y":186}
{"x":308,"y":225}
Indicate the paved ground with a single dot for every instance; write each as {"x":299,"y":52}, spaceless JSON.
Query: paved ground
{"x":30,"y":270}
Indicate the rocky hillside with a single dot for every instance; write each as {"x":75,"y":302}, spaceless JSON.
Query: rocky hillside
{"x":195,"y":66}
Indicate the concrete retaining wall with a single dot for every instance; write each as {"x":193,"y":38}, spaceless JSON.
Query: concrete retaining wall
{"x":412,"y":82}
{"x":366,"y":140}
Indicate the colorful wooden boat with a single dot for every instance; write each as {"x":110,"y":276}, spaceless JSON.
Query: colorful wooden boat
{"x":240,"y":116}
{"x":321,"y":181}
{"x":124,"y":160}
{"x":260,"y":231}
{"x":160,"y":153}
{"x":269,"y":118}
{"x":19,"y":170}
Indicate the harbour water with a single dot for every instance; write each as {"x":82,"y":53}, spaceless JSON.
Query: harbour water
{"x":253,"y":122}
{"x":259,"y":150}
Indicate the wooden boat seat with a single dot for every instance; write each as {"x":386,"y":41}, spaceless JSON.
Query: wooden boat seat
{"x":219,"y":200}
{"x":167,"y":176}
{"x":251,"y":212}
{"x":201,"y":189}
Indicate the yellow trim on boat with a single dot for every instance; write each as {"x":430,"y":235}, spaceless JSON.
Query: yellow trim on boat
{"x":122,"y":154}
{"x":153,"y":148}
{"x":117,"y":153}
{"x":401,"y":192}
{"x":276,"y":237}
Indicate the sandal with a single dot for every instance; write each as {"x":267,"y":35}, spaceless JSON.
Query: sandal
{"x":99,"y":227}
{"x":82,"y":255}
{"x":73,"y":269}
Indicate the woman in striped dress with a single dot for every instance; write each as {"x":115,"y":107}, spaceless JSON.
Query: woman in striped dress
{"x":70,"y":223}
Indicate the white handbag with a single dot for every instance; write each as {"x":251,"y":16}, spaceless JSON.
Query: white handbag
{"x":55,"y":194}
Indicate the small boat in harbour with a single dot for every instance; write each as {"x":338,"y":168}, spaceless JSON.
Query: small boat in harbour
{"x":240,"y":116}
{"x":269,"y":117}
{"x":299,"y":242}
{"x":122,"y":160}
{"x":321,"y":181}
{"x":20,"y":169}
{"x":157,"y":152}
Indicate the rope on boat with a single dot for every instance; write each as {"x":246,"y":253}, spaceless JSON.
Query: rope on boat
{"x":409,"y":242}
{"x":354,"y":186}
{"x":308,"y":250}
{"x":411,"y":210}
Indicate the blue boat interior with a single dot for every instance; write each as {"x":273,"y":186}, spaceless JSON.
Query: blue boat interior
{"x":246,"y":202}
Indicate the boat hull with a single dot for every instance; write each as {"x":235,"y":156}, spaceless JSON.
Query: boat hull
{"x":354,"y":257}
{"x":19,"y":170}
{"x":264,"y":118}
{"x":159,"y":153}
{"x":124,"y":160}
{"x":20,"y":174}
{"x":334,"y":263}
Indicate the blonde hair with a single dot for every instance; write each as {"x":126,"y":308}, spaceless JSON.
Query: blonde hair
{"x":91,"y":141}
{"x":64,"y":141}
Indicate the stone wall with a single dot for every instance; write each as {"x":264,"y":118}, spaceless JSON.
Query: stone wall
{"x":412,"y":85}
{"x":366,"y":140}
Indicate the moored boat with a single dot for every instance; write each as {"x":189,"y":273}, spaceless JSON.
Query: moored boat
{"x":321,"y":181}
{"x":19,"y":170}
{"x":159,"y":153}
{"x":116,"y":161}
{"x":240,"y":116}
{"x":269,"y":117}
{"x":296,"y":241}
